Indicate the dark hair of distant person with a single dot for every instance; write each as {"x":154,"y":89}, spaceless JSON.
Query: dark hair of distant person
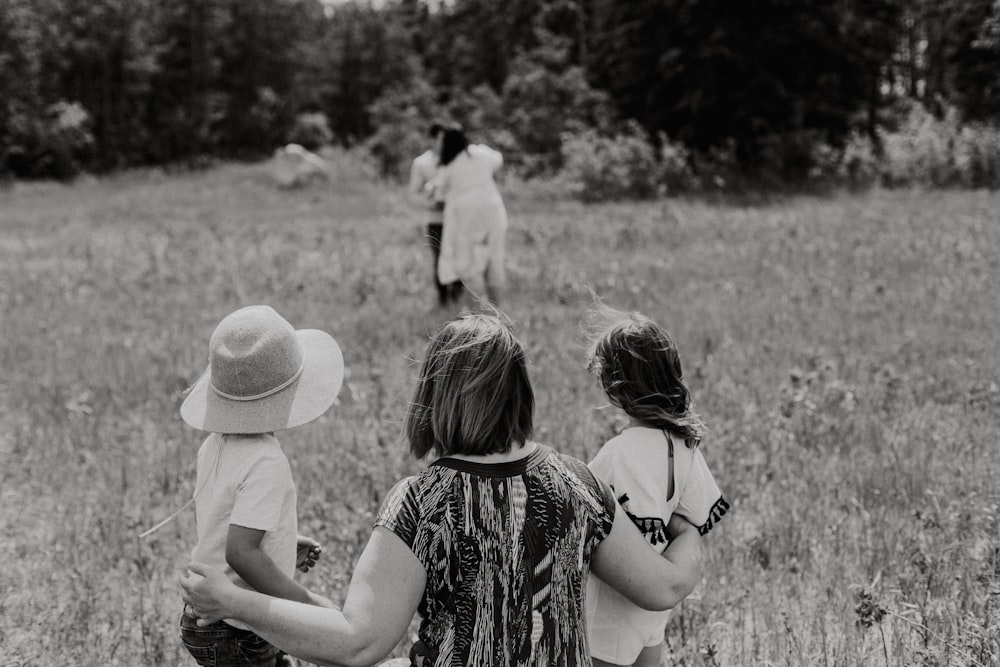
{"x":452,"y":143}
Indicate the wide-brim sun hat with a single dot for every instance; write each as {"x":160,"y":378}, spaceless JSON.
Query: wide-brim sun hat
{"x":263,"y":375}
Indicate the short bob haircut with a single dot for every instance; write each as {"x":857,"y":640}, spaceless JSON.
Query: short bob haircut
{"x":637,"y":363}
{"x":473,"y":395}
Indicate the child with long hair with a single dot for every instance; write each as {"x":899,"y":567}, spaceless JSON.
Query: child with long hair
{"x":655,"y":467}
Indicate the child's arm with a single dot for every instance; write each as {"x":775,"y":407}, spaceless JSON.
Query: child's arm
{"x":678,"y":525}
{"x":244,"y":555}
{"x":625,"y":562}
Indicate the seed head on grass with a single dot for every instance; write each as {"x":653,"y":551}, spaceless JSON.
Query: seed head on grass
{"x":869,"y":611}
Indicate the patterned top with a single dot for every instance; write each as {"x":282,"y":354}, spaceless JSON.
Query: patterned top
{"x":507,"y":550}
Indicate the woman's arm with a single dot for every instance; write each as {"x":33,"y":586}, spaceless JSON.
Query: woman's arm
{"x":650,"y":580}
{"x":385,"y":590}
{"x":244,"y":555}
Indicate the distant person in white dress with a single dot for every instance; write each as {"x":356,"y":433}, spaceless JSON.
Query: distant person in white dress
{"x":475,"y":220}
{"x":425,"y":194}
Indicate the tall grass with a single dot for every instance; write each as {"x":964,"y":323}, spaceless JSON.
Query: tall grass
{"x":843,"y":352}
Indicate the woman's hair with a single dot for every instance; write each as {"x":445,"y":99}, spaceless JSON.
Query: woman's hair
{"x":473,"y":395}
{"x":452,"y":143}
{"x":637,"y":364}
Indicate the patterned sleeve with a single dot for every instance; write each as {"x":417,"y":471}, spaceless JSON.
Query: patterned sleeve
{"x":599,"y":493}
{"x":399,"y":512}
{"x":608,"y":506}
{"x":701,"y":501}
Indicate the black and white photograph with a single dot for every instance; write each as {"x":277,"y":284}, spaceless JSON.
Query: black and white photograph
{"x":500,"y":333}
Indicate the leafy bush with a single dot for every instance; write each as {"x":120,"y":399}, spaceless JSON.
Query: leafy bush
{"x":55,"y":144}
{"x":856,"y":164}
{"x":921,"y":149}
{"x":599,"y":168}
{"x":311,"y":131}
{"x":545,"y":97}
{"x":926,"y":150}
{"x":401,"y":116}
{"x":675,"y":165}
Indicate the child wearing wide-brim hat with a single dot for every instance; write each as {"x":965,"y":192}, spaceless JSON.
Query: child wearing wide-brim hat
{"x":263,"y":377}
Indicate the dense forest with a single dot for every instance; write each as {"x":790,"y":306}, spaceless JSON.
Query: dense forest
{"x":697,"y":87}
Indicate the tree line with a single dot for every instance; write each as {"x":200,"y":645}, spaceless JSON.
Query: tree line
{"x":104,"y":84}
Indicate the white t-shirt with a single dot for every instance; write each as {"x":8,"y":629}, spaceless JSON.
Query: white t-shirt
{"x":422,"y":183}
{"x":637,"y":465}
{"x":244,"y":480}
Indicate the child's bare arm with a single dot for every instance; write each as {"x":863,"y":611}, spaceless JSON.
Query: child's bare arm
{"x":678,"y":525}
{"x":244,"y":555}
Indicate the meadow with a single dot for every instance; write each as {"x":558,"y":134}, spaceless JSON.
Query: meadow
{"x":843,"y":351}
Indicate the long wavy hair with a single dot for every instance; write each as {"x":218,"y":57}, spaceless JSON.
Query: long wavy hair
{"x":453,"y":142}
{"x":637,"y":363}
{"x":473,"y":395}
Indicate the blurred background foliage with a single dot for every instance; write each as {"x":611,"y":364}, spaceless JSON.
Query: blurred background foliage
{"x":618,"y":99}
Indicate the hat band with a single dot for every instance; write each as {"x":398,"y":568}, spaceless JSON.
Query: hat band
{"x":283,"y":385}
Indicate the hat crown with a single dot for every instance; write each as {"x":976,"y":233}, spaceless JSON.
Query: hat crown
{"x":253,"y":353}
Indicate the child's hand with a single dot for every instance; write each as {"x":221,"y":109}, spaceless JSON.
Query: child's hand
{"x":307,"y":552}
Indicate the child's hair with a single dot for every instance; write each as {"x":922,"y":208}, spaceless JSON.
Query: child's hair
{"x":637,"y":364}
{"x":473,"y":395}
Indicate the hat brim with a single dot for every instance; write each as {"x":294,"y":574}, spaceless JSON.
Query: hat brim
{"x":299,"y":403}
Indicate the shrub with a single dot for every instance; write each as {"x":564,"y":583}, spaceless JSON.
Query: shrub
{"x":55,"y":144}
{"x":856,"y":164}
{"x":401,"y":117}
{"x":925,"y":150}
{"x":675,"y":165}
{"x":311,"y":131}
{"x":599,"y":168}
{"x":979,"y":155}
{"x":544,"y":98}
{"x":859,"y":164}
{"x":921,"y":150}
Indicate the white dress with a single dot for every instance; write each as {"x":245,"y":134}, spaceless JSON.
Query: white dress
{"x":475,"y":220}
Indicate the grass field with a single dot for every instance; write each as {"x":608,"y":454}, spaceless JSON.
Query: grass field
{"x":843,"y":351}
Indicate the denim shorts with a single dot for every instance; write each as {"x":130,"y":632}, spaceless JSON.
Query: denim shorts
{"x":222,"y":645}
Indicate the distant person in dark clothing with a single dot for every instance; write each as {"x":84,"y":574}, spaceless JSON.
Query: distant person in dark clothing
{"x":423,"y":190}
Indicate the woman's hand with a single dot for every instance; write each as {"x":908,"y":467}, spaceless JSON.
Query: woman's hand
{"x":207,"y":591}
